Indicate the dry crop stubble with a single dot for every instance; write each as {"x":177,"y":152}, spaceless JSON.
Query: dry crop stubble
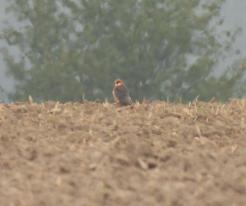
{"x":100,"y":154}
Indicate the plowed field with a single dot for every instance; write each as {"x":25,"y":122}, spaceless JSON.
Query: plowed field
{"x":92,"y":154}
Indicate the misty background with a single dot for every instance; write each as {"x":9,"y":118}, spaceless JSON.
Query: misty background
{"x":232,"y":17}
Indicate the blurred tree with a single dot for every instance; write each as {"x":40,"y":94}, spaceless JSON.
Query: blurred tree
{"x":163,"y":49}
{"x":235,"y":75}
{"x":2,"y":94}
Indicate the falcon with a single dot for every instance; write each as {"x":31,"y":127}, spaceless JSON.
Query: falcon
{"x":121,"y":94}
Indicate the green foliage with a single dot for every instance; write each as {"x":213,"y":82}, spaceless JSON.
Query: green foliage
{"x":74,"y":48}
{"x":235,"y":75}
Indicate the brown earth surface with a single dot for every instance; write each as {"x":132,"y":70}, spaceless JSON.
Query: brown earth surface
{"x":147,"y":154}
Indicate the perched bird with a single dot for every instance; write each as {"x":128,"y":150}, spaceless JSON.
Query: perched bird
{"x":121,"y":94}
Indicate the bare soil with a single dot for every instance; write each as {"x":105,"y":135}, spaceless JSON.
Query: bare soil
{"x":86,"y":154}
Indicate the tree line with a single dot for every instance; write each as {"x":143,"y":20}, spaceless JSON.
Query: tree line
{"x":163,"y":49}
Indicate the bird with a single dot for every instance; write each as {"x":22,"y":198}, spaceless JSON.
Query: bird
{"x":121,"y":94}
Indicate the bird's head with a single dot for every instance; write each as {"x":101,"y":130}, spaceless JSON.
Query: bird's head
{"x":118,"y":82}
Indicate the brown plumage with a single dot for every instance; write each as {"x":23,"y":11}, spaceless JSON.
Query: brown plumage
{"x":121,"y":94}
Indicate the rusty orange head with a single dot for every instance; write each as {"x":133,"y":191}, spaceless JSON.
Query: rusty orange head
{"x":118,"y":82}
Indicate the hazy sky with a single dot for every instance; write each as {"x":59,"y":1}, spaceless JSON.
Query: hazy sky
{"x":233,"y":13}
